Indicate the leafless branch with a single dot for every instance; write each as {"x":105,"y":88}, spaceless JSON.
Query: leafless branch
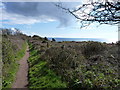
{"x":103,"y":13}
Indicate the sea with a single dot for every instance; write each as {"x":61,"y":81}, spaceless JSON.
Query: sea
{"x":78,"y":39}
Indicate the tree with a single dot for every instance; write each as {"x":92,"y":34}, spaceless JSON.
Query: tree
{"x":53,"y":39}
{"x":103,"y":12}
{"x":10,"y":31}
{"x":6,"y":31}
{"x":17,"y":32}
{"x":46,"y":38}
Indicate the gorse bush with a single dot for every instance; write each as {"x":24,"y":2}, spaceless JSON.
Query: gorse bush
{"x":93,"y":48}
{"x":89,"y":65}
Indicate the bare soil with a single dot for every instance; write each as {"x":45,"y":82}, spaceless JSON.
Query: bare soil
{"x":21,"y":80}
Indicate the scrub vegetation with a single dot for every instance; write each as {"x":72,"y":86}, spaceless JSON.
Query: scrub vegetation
{"x":89,"y":65}
{"x":52,"y":64}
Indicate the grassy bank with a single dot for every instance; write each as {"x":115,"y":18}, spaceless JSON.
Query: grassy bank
{"x":11,"y":55}
{"x":40,"y":75}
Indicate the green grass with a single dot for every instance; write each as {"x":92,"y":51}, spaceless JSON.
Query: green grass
{"x":21,"y":53}
{"x":40,"y":76}
{"x":11,"y":68}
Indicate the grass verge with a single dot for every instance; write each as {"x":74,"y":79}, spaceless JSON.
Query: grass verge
{"x":40,"y":76}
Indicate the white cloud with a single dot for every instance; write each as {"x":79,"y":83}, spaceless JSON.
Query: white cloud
{"x":13,"y":18}
{"x":30,"y":13}
{"x":19,"y":19}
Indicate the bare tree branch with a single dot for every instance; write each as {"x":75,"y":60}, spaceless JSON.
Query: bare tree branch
{"x":101,"y":12}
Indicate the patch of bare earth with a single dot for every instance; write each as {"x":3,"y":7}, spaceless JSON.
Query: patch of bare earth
{"x":21,"y":80}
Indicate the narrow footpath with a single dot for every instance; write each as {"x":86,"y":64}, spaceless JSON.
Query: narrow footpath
{"x":21,"y":80}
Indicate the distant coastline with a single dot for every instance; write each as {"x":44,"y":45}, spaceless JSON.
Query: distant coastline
{"x":78,"y":39}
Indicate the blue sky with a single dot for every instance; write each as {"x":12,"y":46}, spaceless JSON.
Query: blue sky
{"x":47,"y":20}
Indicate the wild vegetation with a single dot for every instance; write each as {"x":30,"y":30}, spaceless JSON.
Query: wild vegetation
{"x":40,"y":75}
{"x":90,"y":65}
{"x":13,"y":48}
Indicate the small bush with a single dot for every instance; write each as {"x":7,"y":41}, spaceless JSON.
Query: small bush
{"x":93,"y":48}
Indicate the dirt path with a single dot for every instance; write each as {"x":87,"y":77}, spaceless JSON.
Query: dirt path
{"x":22,"y":74}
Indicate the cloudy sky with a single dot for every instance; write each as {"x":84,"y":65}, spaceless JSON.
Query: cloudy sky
{"x":46,"y":20}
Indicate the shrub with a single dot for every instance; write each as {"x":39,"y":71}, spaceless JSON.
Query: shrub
{"x":93,"y":48}
{"x":46,"y":38}
{"x":53,"y":39}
